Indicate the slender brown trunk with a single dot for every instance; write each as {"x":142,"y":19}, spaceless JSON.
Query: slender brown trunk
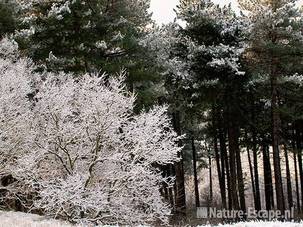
{"x":255,"y":156}
{"x":299,"y":150}
{"x":251,"y":176}
{"x":288,"y":178}
{"x":210,"y":181}
{"x":171,"y":189}
{"x":297,"y":182}
{"x":232,"y":145}
{"x":179,"y":170}
{"x":235,"y":163}
{"x":256,"y":173}
{"x":301,"y":174}
{"x":164,"y":189}
{"x":240,"y":181}
{"x":296,"y":173}
{"x":275,"y":117}
{"x":267,"y":178}
{"x":195,"y":172}
{"x":224,"y":165}
{"x":230,"y":204}
{"x":220,"y":173}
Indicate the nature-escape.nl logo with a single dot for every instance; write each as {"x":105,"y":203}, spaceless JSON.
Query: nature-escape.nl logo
{"x":251,"y":213}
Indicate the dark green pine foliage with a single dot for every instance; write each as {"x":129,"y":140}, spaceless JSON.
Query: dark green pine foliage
{"x":7,"y":17}
{"x":279,"y":61}
{"x":93,"y":36}
{"x":211,"y":45}
{"x":212,"y":89}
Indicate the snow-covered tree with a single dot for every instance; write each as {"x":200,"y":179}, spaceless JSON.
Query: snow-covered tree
{"x":92,"y":159}
{"x":79,"y":36}
{"x":14,"y":101}
{"x":78,"y":147}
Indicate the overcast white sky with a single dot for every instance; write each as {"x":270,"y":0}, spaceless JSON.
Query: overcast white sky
{"x":163,"y":9}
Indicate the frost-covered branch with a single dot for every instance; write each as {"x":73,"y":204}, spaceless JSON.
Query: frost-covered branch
{"x":78,"y":146}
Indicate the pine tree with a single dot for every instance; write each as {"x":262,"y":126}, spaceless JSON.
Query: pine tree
{"x":80,"y":36}
{"x":203,"y":70}
{"x":7,"y":17}
{"x":216,"y":45}
{"x":92,"y":36}
{"x":276,"y":47}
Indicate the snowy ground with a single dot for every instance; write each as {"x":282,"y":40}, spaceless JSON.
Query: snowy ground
{"x":18,"y":219}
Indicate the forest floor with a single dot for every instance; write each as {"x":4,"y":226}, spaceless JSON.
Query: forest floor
{"x":18,"y":219}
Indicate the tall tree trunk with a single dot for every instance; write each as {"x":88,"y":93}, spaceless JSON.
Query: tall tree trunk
{"x":230,"y":203}
{"x":288,"y":177}
{"x":299,"y":150}
{"x":195,"y":172}
{"x":255,"y":155}
{"x":251,"y":176}
{"x":276,"y":126}
{"x":296,"y":172}
{"x":297,"y":182}
{"x":210,"y":181}
{"x":240,"y":181}
{"x":233,"y":140}
{"x":220,"y":173}
{"x":267,"y":178}
{"x":179,"y":170}
{"x":256,"y":173}
{"x":164,"y":188}
{"x":232,"y":145}
{"x":224,"y":162}
{"x":171,"y":189}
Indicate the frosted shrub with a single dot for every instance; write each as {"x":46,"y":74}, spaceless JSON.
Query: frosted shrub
{"x":88,"y":157}
{"x":14,"y":103}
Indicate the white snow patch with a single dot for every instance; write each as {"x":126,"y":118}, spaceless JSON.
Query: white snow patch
{"x":19,"y":219}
